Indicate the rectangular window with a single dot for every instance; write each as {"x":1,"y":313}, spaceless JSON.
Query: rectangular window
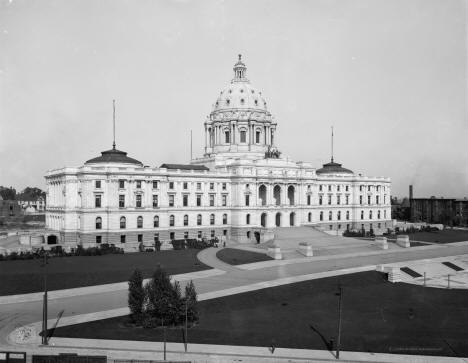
{"x":212,"y":233}
{"x":198,"y":186}
{"x":122,"y":238}
{"x":121,"y":183}
{"x":199,"y":234}
{"x":243,"y":136}
{"x":155,"y":184}
{"x":185,"y":235}
{"x":185,"y":185}
{"x":360,"y":199}
{"x":211,"y":186}
{"x":376,"y":199}
{"x":138,"y":201}
{"x":121,"y":201}
{"x":347,"y":188}
{"x":257,"y":137}
{"x":98,"y":239}
{"x":368,"y":199}
{"x":185,"y":200}
{"x":156,"y":237}
{"x":97,"y":201}
{"x":171,"y":200}
{"x":171,"y":185}
{"x":247,"y":200}
{"x":138,"y":184}
{"x":224,"y":200}
{"x":329,"y":188}
{"x":329,"y":199}
{"x":347,"y":199}
{"x":360,"y":188}
{"x":224,"y":186}
{"x":212,"y":200}
{"x":320,"y":200}
{"x":97,"y":184}
{"x":321,"y":187}
{"x":140,"y":238}
{"x":338,"y":199}
{"x":338,"y":188}
{"x":368,"y":188}
{"x":308,"y":200}
{"x":155,"y":201}
{"x":172,"y":235}
{"x":199,"y":199}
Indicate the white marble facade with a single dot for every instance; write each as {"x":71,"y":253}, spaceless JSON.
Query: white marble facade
{"x":242,"y":187}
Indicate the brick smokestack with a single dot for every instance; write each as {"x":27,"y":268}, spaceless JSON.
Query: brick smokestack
{"x":410,"y":192}
{"x":411,"y":203}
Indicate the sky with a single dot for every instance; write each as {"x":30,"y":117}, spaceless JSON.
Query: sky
{"x":390,"y":76}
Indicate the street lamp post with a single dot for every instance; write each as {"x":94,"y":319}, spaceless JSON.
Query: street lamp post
{"x":186,"y":336}
{"x":340,"y":308}
{"x":44,"y":305}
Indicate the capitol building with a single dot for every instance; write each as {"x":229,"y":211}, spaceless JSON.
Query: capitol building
{"x":242,"y":188}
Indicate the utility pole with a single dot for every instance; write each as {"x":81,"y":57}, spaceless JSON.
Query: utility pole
{"x":44,"y":305}
{"x":340,"y":307}
{"x":186,"y":336}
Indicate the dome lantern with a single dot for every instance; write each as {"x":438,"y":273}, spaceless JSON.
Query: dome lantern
{"x":240,"y":71}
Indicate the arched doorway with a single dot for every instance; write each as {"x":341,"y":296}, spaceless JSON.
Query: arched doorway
{"x":291,"y":195}
{"x":257,"y":236}
{"x":277,"y":194}
{"x":292,"y":216}
{"x":262,"y":194}
{"x":52,"y":239}
{"x":278,"y":219}
{"x":263,"y":219}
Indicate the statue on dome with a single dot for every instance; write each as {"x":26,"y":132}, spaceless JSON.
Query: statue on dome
{"x":272,"y":153}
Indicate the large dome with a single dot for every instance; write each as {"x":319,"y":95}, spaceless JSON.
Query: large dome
{"x":239,"y":94}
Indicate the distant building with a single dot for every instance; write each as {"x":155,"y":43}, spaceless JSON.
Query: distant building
{"x":33,"y":206}
{"x":9,"y":209}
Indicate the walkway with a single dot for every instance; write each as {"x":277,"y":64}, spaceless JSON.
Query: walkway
{"x":208,"y":257}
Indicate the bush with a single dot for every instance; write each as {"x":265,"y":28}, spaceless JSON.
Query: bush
{"x":136,"y":295}
{"x":178,"y":244}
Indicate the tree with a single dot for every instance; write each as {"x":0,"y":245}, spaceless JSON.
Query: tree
{"x":160,"y":297}
{"x":8,"y":193}
{"x":191,"y":300}
{"x":136,"y":295}
{"x":31,"y":193}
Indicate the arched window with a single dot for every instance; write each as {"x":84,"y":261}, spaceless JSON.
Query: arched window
{"x":291,"y":195}
{"x":338,"y":216}
{"x":385,"y":214}
{"x":186,"y":220}
{"x":227,"y":138}
{"x":243,"y":136}
{"x":171,"y":220}
{"x":262,"y":193}
{"x":98,"y":223}
{"x":224,"y":218}
{"x":330,"y":215}
{"x":309,"y":218}
{"x":321,"y":216}
{"x":257,"y":136}
{"x":156,"y":222}
{"x":123,"y":222}
{"x":277,"y":194}
{"x":247,"y":219}
{"x":347,"y":214}
{"x":199,"y":220}
{"x":212,"y":219}
{"x":362,"y":214}
{"x":370,"y":214}
{"x":140,"y":222}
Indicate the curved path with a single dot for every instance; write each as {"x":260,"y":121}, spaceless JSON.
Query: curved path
{"x":208,"y":257}
{"x":15,"y":315}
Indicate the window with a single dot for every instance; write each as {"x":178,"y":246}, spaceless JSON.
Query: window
{"x":308,"y":200}
{"x":199,"y":234}
{"x":185,"y":185}
{"x":121,"y":201}
{"x":243,"y":135}
{"x":198,"y":186}
{"x":321,"y":187}
{"x":212,"y":233}
{"x":247,"y":200}
{"x":171,"y":221}
{"x":330,"y":227}
{"x":338,"y":215}
{"x":121,"y":183}
{"x":368,"y":199}
{"x":227,"y":137}
{"x":320,"y":200}
{"x":122,"y":238}
{"x":337,"y":188}
{"x":224,"y":218}
{"x":385,"y":214}
{"x":155,"y":184}
{"x":347,"y":188}
{"x":224,"y":200}
{"x":329,"y":199}
{"x":140,"y":222}
{"x":370,"y":214}
{"x":368,"y":188}
{"x":376,"y":199}
{"x":309,"y":217}
{"x":97,"y":184}
{"x":338,"y":199}
{"x":360,"y":188}
{"x":138,"y":184}
{"x":329,"y":188}
{"x":223,"y":186}
{"x":360,"y":199}
{"x":171,"y":200}
{"x":362,"y":214}
{"x":212,"y":200}
{"x":378,"y":214}
{"x":155,"y":201}
{"x":199,"y":198}
{"x":123,"y":222}
{"x":330,"y":215}
{"x":247,"y":219}
{"x":347,"y":214}
{"x":171,"y":185}
{"x":211,"y":186}
{"x":186,"y":235}
{"x":212,"y":219}
{"x":98,"y":239}
{"x":347,"y":199}
{"x":321,"y":216}
{"x":199,"y":220}
{"x":97,"y":201}
{"x":171,"y":236}
{"x":140,"y":238}
{"x":156,"y":222}
{"x":98,"y":223}
{"x":186,"y":220}
{"x":185,"y":200}
{"x":156,"y":237}
{"x":379,"y":225}
{"x":138,"y":201}
{"x":257,"y":137}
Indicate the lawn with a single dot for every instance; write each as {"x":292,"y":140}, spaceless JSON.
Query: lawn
{"x":234,"y":256}
{"x":378,"y":316}
{"x":444,"y":236}
{"x":25,"y":276}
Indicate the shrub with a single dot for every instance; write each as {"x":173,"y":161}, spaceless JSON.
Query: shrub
{"x":136,"y":295}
